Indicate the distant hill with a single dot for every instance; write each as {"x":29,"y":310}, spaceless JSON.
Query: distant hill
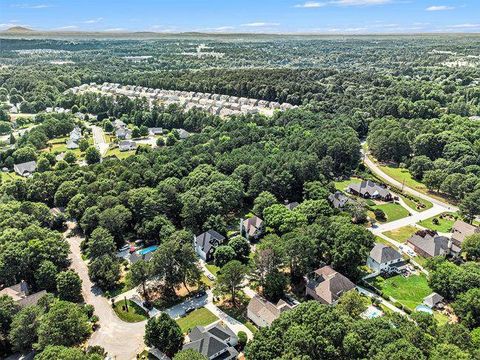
{"x":19,"y":29}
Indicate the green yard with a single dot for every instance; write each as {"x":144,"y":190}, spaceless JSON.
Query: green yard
{"x":392,"y":211}
{"x":403,"y":175}
{"x":401,"y":234}
{"x":198,"y":317}
{"x":443,"y":223}
{"x":119,"y":154}
{"x":425,"y":205}
{"x":212,"y":268}
{"x":342,"y":185}
{"x":9,"y":176}
{"x":409,"y":291}
{"x":134,"y":313}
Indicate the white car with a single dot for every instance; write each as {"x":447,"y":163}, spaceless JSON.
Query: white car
{"x":407,"y":250}
{"x":211,"y":277}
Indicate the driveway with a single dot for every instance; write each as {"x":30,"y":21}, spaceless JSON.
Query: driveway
{"x":122,"y":340}
{"x":99,"y":140}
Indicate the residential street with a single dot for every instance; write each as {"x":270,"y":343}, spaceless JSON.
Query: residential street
{"x":122,"y":340}
{"x":99,"y":139}
{"x":374,"y":168}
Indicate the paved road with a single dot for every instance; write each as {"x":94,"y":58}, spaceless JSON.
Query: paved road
{"x":374,"y":168}
{"x":122,"y":340}
{"x":99,"y":139}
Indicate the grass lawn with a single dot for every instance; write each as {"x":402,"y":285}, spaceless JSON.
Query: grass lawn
{"x":444,"y":224}
{"x":9,"y":176}
{"x":413,"y":204}
{"x":409,"y":291}
{"x":392,"y":211}
{"x":342,"y":185}
{"x":134,"y":314}
{"x":381,"y":240}
{"x":212,"y":268}
{"x":206,"y":280}
{"x":197,"y":317}
{"x":120,"y":154}
{"x":401,"y":234}
{"x":403,"y":175}
{"x":442,"y":319}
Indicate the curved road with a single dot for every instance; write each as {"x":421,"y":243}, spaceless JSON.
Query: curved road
{"x":374,"y":167}
{"x":122,"y":340}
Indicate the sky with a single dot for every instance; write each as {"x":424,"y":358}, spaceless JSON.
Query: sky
{"x":253,"y":16}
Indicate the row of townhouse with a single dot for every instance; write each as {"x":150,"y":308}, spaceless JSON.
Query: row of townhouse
{"x":222,"y":105}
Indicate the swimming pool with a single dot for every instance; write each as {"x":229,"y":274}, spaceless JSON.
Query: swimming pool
{"x":147,"y":250}
{"x":424,"y":308}
{"x":372,"y":312}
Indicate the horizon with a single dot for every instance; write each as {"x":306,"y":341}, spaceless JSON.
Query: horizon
{"x":284,"y":17}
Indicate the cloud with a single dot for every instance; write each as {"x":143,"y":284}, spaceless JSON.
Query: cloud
{"x":31,"y":6}
{"x":68,"y":27}
{"x":114,"y":29}
{"x":439,"y":8}
{"x":360,"y":2}
{"x":93,"y":21}
{"x":260,"y":24}
{"x":310,"y":5}
{"x":465,"y":26}
{"x":223,"y":28}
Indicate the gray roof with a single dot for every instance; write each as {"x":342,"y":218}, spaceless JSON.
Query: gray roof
{"x":433,"y":299}
{"x":382,"y":253}
{"x":339,"y":199}
{"x":292,"y":205}
{"x":461,"y":230}
{"x":369,"y":187}
{"x":209,"y":239}
{"x":429,"y":242}
{"x":26,"y":167}
{"x":329,"y":284}
{"x":125,"y":145}
{"x":209,"y":342}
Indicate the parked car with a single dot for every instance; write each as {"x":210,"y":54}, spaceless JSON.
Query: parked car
{"x":211,"y":277}
{"x":189,"y":310}
{"x":124,"y":248}
{"x":200,"y":293}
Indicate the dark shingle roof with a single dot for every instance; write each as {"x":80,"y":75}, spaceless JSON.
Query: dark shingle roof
{"x":382,"y":253}
{"x":207,"y":240}
{"x":369,"y":187}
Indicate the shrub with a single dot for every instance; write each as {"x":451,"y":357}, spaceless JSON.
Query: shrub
{"x":242,"y":339}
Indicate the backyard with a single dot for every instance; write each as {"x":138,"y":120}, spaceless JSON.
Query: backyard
{"x":198,"y":317}
{"x":392,"y":211}
{"x":342,"y":185}
{"x":119,"y":154}
{"x":130,"y":313}
{"x":401,"y":234}
{"x":442,"y":223}
{"x":408,"y":291}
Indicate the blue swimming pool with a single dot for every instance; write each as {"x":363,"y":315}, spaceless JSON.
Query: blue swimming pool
{"x":147,"y":250}
{"x":424,"y":308}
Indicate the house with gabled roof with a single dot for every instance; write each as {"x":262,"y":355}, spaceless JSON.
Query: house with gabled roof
{"x":25,"y":169}
{"x":252,"y":227}
{"x":383,"y":258}
{"x":370,"y":190}
{"x":20,"y":293}
{"x":262,"y":312}
{"x":339,"y":200}
{"x":428,"y":243}
{"x":215,"y":342}
{"x":460,"y":231}
{"x":327,"y":285}
{"x":205,"y":244}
